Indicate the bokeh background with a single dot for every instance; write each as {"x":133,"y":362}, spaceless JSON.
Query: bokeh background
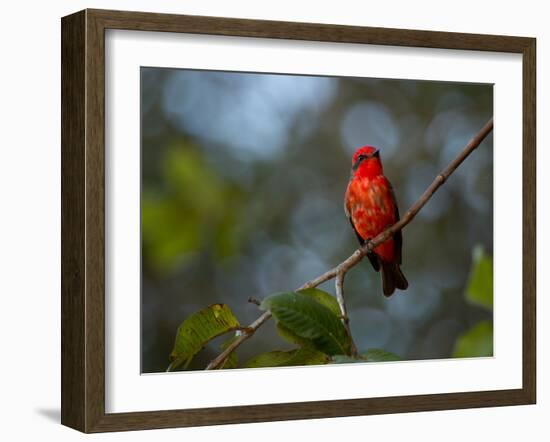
{"x":243,"y":178}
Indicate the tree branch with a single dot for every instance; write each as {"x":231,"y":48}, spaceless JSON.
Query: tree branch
{"x":341,"y":269}
{"x":339,"y":285}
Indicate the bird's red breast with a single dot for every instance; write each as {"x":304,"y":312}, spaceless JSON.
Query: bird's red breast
{"x":370,"y":202}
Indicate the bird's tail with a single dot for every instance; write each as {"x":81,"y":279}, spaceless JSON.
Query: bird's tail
{"x":392,"y":278}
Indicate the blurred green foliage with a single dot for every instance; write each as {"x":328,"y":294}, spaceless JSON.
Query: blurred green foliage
{"x":478,"y":340}
{"x":195,"y":210}
{"x":480,"y":283}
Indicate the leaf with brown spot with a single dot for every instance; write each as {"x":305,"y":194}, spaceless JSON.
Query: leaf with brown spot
{"x":198,"y":329}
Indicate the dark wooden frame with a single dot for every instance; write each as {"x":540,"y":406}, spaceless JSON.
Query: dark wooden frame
{"x":83,"y":218}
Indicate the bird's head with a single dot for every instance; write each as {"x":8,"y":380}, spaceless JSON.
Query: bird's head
{"x":366,"y":162}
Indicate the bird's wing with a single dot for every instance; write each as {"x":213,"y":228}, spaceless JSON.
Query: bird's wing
{"x":372,"y":256}
{"x":359,"y":238}
{"x":346,"y":208}
{"x":397,"y":237}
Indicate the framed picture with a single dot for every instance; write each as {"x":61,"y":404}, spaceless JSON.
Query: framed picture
{"x":269,"y":220}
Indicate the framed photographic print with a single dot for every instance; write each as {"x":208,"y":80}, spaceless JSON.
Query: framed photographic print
{"x":269,"y":220}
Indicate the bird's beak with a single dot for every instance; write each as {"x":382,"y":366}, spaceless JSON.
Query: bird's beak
{"x":376,"y":154}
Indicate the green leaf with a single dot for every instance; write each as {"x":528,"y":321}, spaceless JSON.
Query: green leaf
{"x":480,"y":283}
{"x":378,"y":355}
{"x":300,"y":356}
{"x":198,"y":329}
{"x":308,"y":319}
{"x":476,"y":342}
{"x":323,"y":298}
{"x":288,"y":336}
{"x":232,"y":360}
{"x":344,"y":359}
{"x":372,"y":355}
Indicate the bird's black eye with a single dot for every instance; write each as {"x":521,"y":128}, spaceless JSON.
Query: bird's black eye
{"x":358,"y":161}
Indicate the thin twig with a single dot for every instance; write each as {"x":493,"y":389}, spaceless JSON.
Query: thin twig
{"x":253,"y":300}
{"x":339,"y":284}
{"x":358,"y":255}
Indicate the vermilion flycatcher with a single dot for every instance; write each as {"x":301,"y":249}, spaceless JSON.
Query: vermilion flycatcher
{"x":371,"y":207}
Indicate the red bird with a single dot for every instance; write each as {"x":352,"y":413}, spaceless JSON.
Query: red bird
{"x":371,"y":207}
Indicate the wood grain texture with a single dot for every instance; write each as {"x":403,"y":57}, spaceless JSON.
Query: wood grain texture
{"x":83,"y":219}
{"x":73,"y":129}
{"x":95,"y":221}
{"x":308,"y":410}
{"x":145,"y":21}
{"x":529,"y":221}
